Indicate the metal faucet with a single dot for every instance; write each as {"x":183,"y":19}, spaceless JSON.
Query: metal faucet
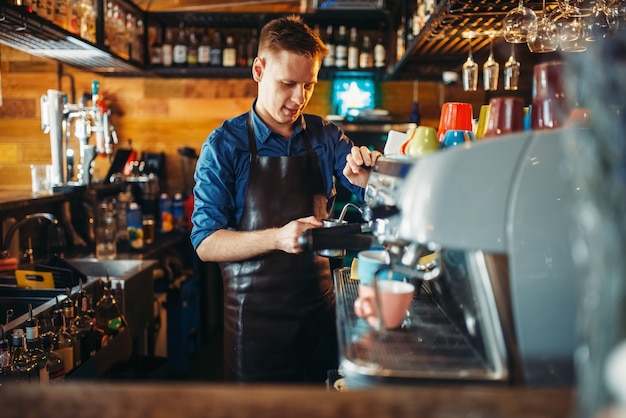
{"x":16,"y":226}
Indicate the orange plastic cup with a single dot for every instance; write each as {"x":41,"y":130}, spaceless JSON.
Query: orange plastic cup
{"x":455,"y":116}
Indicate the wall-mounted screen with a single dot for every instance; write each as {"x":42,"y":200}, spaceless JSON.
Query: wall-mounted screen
{"x":352,"y":95}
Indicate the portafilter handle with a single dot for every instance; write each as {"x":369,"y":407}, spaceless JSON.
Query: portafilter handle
{"x":347,"y":237}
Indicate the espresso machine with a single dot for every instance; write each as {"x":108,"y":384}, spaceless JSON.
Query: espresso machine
{"x":485,"y":231}
{"x":62,"y":120}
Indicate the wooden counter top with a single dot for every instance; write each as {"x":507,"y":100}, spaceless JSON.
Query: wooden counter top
{"x":188,"y":400}
{"x":11,"y":199}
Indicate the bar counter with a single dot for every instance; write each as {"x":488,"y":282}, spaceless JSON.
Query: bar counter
{"x":186,"y":399}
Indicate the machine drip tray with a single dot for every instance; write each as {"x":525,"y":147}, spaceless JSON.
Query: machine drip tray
{"x":427,"y":347}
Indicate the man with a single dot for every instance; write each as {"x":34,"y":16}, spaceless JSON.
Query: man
{"x":262,"y":179}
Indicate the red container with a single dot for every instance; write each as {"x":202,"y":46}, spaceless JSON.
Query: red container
{"x":549,"y":109}
{"x":454,"y":116}
{"x":506,"y":115}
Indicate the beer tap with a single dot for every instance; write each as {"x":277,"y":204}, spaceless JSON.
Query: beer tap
{"x":57,"y":119}
{"x":83,"y":119}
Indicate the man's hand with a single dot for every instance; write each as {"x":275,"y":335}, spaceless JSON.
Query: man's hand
{"x":287,"y":236}
{"x":358,"y":165}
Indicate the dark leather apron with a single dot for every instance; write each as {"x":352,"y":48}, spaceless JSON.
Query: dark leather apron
{"x":279,"y":308}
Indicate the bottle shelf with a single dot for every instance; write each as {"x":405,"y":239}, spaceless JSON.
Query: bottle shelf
{"x":24,"y":30}
{"x":27,"y":31}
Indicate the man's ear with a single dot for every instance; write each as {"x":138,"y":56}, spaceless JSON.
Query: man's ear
{"x":258,"y":65}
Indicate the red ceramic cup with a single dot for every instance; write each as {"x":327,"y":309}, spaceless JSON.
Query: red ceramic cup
{"x":506,"y":115}
{"x":548,"y":109}
{"x":454,"y":116}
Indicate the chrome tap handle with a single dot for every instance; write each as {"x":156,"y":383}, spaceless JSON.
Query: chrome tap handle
{"x":45,"y":113}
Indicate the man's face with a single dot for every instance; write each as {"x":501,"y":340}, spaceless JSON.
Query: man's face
{"x":285,"y":85}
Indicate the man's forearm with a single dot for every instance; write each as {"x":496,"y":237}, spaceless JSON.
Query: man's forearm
{"x":226,"y":245}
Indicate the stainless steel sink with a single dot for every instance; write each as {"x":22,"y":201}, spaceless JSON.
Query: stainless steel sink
{"x":118,"y":269}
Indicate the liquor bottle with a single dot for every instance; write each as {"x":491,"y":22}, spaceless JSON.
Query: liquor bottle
{"x":120,"y":36}
{"x":109,"y":30}
{"x":341,"y":50}
{"x":73,"y":17}
{"x":316,"y":30}
{"x":138,"y":42}
{"x":329,"y":59}
{"x":33,"y":346}
{"x":253,"y":47}
{"x":180,"y":48}
{"x":204,"y":51}
{"x":46,"y":9}
{"x":85,"y":322}
{"x":229,"y":55}
{"x":366,"y":56}
{"x":380,"y":53}
{"x":167,"y":50}
{"x":90,"y":336}
{"x":242,"y":52}
{"x":178,"y":211}
{"x":156,"y":49}
{"x":353,"y":50}
{"x":65,"y":346}
{"x":400,"y":39}
{"x":192,"y":50}
{"x":55,"y":367}
{"x":134,"y":219}
{"x":38,"y":356}
{"x":415,"y":116}
{"x":88,"y":21}
{"x":216,"y":50}
{"x":23,"y":368}
{"x":167,"y":217}
{"x":109,"y":317}
{"x":129,"y":36}
{"x":70,"y":327}
{"x":60,"y":13}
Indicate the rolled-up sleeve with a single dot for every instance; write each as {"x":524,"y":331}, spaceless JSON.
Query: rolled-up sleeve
{"x":218,"y":186}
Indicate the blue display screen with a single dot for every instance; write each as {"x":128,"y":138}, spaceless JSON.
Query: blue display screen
{"x":351,"y":95}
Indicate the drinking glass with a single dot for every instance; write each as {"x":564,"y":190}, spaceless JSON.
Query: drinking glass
{"x":511,"y":71}
{"x":470,"y":71}
{"x":544,"y":35}
{"x":577,"y":8}
{"x":518,"y":22}
{"x":491,"y":69}
{"x":597,"y":24}
{"x":572,"y":34}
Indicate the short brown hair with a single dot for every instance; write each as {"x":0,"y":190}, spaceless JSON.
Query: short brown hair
{"x":290,"y":33}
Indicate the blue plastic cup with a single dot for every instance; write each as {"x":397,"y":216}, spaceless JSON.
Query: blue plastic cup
{"x":456,"y":137}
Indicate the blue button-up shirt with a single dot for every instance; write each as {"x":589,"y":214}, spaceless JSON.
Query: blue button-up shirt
{"x":223,"y":167}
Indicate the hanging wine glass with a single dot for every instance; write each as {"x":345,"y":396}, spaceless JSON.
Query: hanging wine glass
{"x":577,"y":8}
{"x":511,"y":71}
{"x":597,"y":23}
{"x":544,"y":35}
{"x":572,"y":37}
{"x":518,"y":22}
{"x":491,"y":69}
{"x":470,"y":71}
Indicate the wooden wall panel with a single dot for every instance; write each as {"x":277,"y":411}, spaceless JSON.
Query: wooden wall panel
{"x":8,"y":153}
{"x":18,"y":129}
{"x":19,"y":175}
{"x":158,"y":115}
{"x":19,"y":108}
